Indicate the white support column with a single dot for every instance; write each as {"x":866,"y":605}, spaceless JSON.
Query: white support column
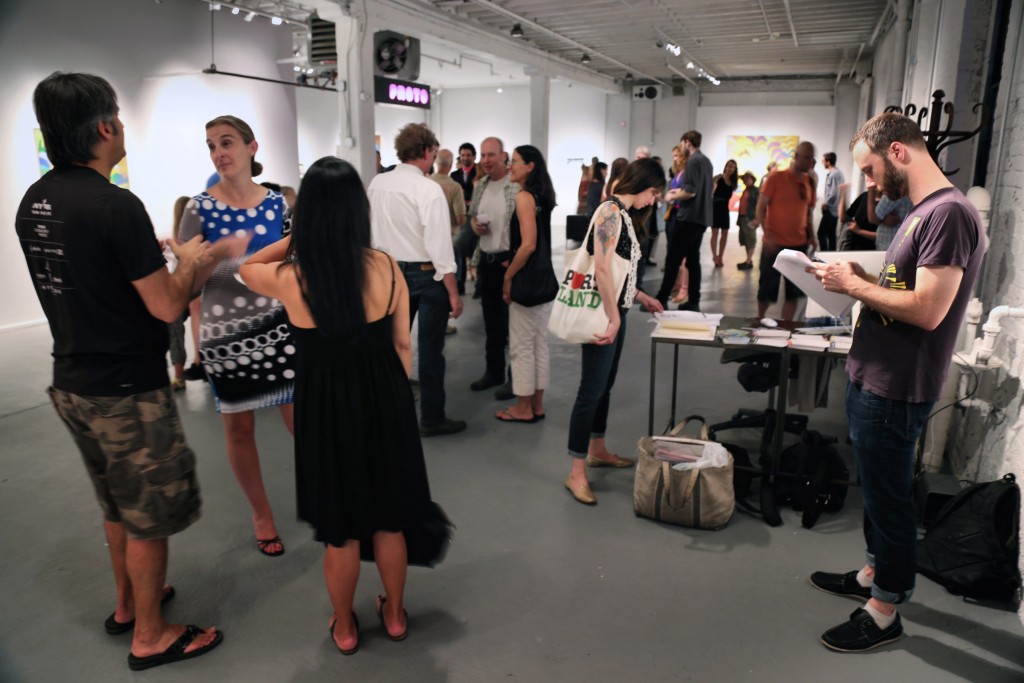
{"x":540,"y":110}
{"x":847,"y":122}
{"x":355,"y":103}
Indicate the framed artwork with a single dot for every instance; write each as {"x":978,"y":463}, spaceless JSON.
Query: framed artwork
{"x":754,"y":152}
{"x":118,"y":175}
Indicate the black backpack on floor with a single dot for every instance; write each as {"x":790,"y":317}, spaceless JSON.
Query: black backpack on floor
{"x":972,"y":548}
{"x":806,"y":472}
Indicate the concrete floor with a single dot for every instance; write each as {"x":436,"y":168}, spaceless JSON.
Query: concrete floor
{"x":535,"y":588}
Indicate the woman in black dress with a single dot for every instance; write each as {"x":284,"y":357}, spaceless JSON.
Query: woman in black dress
{"x":725,"y":186}
{"x":595,"y":189}
{"x":360,"y":474}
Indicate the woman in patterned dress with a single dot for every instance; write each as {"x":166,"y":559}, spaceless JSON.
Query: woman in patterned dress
{"x":245,"y":346}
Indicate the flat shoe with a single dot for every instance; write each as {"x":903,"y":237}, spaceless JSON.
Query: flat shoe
{"x":261,"y":545}
{"x":380,"y":613}
{"x":176,"y":652}
{"x":116,"y":628}
{"x":330,"y":627}
{"x":582,"y":494}
{"x":616,"y":461}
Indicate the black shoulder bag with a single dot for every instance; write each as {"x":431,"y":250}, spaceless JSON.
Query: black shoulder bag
{"x":535,"y":283}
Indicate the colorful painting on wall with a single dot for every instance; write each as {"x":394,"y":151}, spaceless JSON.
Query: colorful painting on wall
{"x":118,"y":176}
{"x":754,"y":152}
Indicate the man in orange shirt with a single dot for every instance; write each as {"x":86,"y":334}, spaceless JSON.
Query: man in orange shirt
{"x":784,"y":212}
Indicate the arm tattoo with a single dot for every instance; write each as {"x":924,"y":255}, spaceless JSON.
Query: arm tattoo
{"x":607,"y":227}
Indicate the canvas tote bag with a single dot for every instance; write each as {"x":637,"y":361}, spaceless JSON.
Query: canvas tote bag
{"x":698,"y":498}
{"x":578,"y":313}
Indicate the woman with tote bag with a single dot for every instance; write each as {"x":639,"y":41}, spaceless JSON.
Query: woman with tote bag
{"x":614,"y":250}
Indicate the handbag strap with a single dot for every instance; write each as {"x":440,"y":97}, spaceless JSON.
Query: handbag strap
{"x":691,"y":484}
{"x":704,"y":434}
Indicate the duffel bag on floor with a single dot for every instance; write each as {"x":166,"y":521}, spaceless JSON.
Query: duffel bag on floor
{"x":700,"y":498}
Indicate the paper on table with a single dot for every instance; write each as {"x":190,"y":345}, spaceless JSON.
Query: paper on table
{"x":705,"y":333}
{"x":793,"y":265}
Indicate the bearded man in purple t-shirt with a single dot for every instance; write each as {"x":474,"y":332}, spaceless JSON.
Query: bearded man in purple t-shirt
{"x":902,"y":345}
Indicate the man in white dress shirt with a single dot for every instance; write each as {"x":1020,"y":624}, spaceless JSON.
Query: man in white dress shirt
{"x":409,"y":220}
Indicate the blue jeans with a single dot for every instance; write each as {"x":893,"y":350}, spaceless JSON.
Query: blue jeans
{"x":590,"y":412}
{"x":429,"y":298}
{"x":884,"y":433}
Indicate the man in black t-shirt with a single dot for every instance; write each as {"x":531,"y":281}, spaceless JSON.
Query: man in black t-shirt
{"x":102,"y":282}
{"x":902,"y":345}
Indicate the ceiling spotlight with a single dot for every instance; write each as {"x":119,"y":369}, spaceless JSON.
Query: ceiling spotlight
{"x":235,"y":10}
{"x":310,"y":71}
{"x":628,"y":76}
{"x":297,"y":67}
{"x":689,"y":65}
{"x":585,"y":59}
{"x":250,"y":16}
{"x":673,"y":48}
{"x":500,"y":91}
{"x":276,"y":21}
{"x":517,"y":31}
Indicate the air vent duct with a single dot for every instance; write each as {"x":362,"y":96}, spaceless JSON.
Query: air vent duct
{"x":323,"y":46}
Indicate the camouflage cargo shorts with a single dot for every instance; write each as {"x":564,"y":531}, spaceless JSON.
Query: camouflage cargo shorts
{"x":135,"y":452}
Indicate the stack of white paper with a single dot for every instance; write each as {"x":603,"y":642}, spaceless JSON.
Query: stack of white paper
{"x":793,"y":265}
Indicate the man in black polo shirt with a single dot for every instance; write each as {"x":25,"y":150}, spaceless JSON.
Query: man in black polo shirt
{"x":102,"y":282}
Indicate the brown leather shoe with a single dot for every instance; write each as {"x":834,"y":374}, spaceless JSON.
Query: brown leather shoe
{"x":582,"y":493}
{"x":616,"y":461}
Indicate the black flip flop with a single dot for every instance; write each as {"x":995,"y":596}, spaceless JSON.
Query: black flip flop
{"x":352,"y":651}
{"x":512,"y":418}
{"x":380,"y":613}
{"x":116,"y":628}
{"x":176,"y":652}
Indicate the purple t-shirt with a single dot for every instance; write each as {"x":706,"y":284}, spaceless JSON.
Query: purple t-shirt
{"x":900,"y":361}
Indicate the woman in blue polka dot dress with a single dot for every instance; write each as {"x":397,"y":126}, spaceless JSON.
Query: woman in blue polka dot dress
{"x":244,"y":342}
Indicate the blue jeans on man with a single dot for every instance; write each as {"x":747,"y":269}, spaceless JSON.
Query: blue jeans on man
{"x":884,"y":433}
{"x":589,"y":417}
{"x":429,"y":298}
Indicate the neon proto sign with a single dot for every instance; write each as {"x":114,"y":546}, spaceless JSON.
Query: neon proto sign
{"x":401,"y":93}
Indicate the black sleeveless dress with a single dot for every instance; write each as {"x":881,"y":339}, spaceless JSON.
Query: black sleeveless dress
{"x":359,"y":464}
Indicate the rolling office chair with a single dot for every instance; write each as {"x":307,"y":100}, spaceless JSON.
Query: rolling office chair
{"x":759,"y":372}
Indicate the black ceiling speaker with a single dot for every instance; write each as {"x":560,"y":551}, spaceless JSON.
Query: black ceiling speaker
{"x":396,"y":56}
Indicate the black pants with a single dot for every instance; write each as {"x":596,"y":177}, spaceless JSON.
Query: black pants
{"x":685,"y":244}
{"x":491,"y":276}
{"x":465,"y":244}
{"x":827,"y":232}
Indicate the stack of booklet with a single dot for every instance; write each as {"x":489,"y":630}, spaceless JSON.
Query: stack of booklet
{"x":841,"y":343}
{"x":677,"y":449}
{"x":686,"y":325}
{"x":810,"y":341}
{"x":768,"y":336}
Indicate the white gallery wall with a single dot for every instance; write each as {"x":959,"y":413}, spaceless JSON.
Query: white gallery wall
{"x":576,"y":132}
{"x":472,"y":114}
{"x":389,"y":119}
{"x":153,"y":55}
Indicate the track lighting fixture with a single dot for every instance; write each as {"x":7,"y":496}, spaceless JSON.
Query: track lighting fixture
{"x":585,"y":59}
{"x":517,"y":31}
